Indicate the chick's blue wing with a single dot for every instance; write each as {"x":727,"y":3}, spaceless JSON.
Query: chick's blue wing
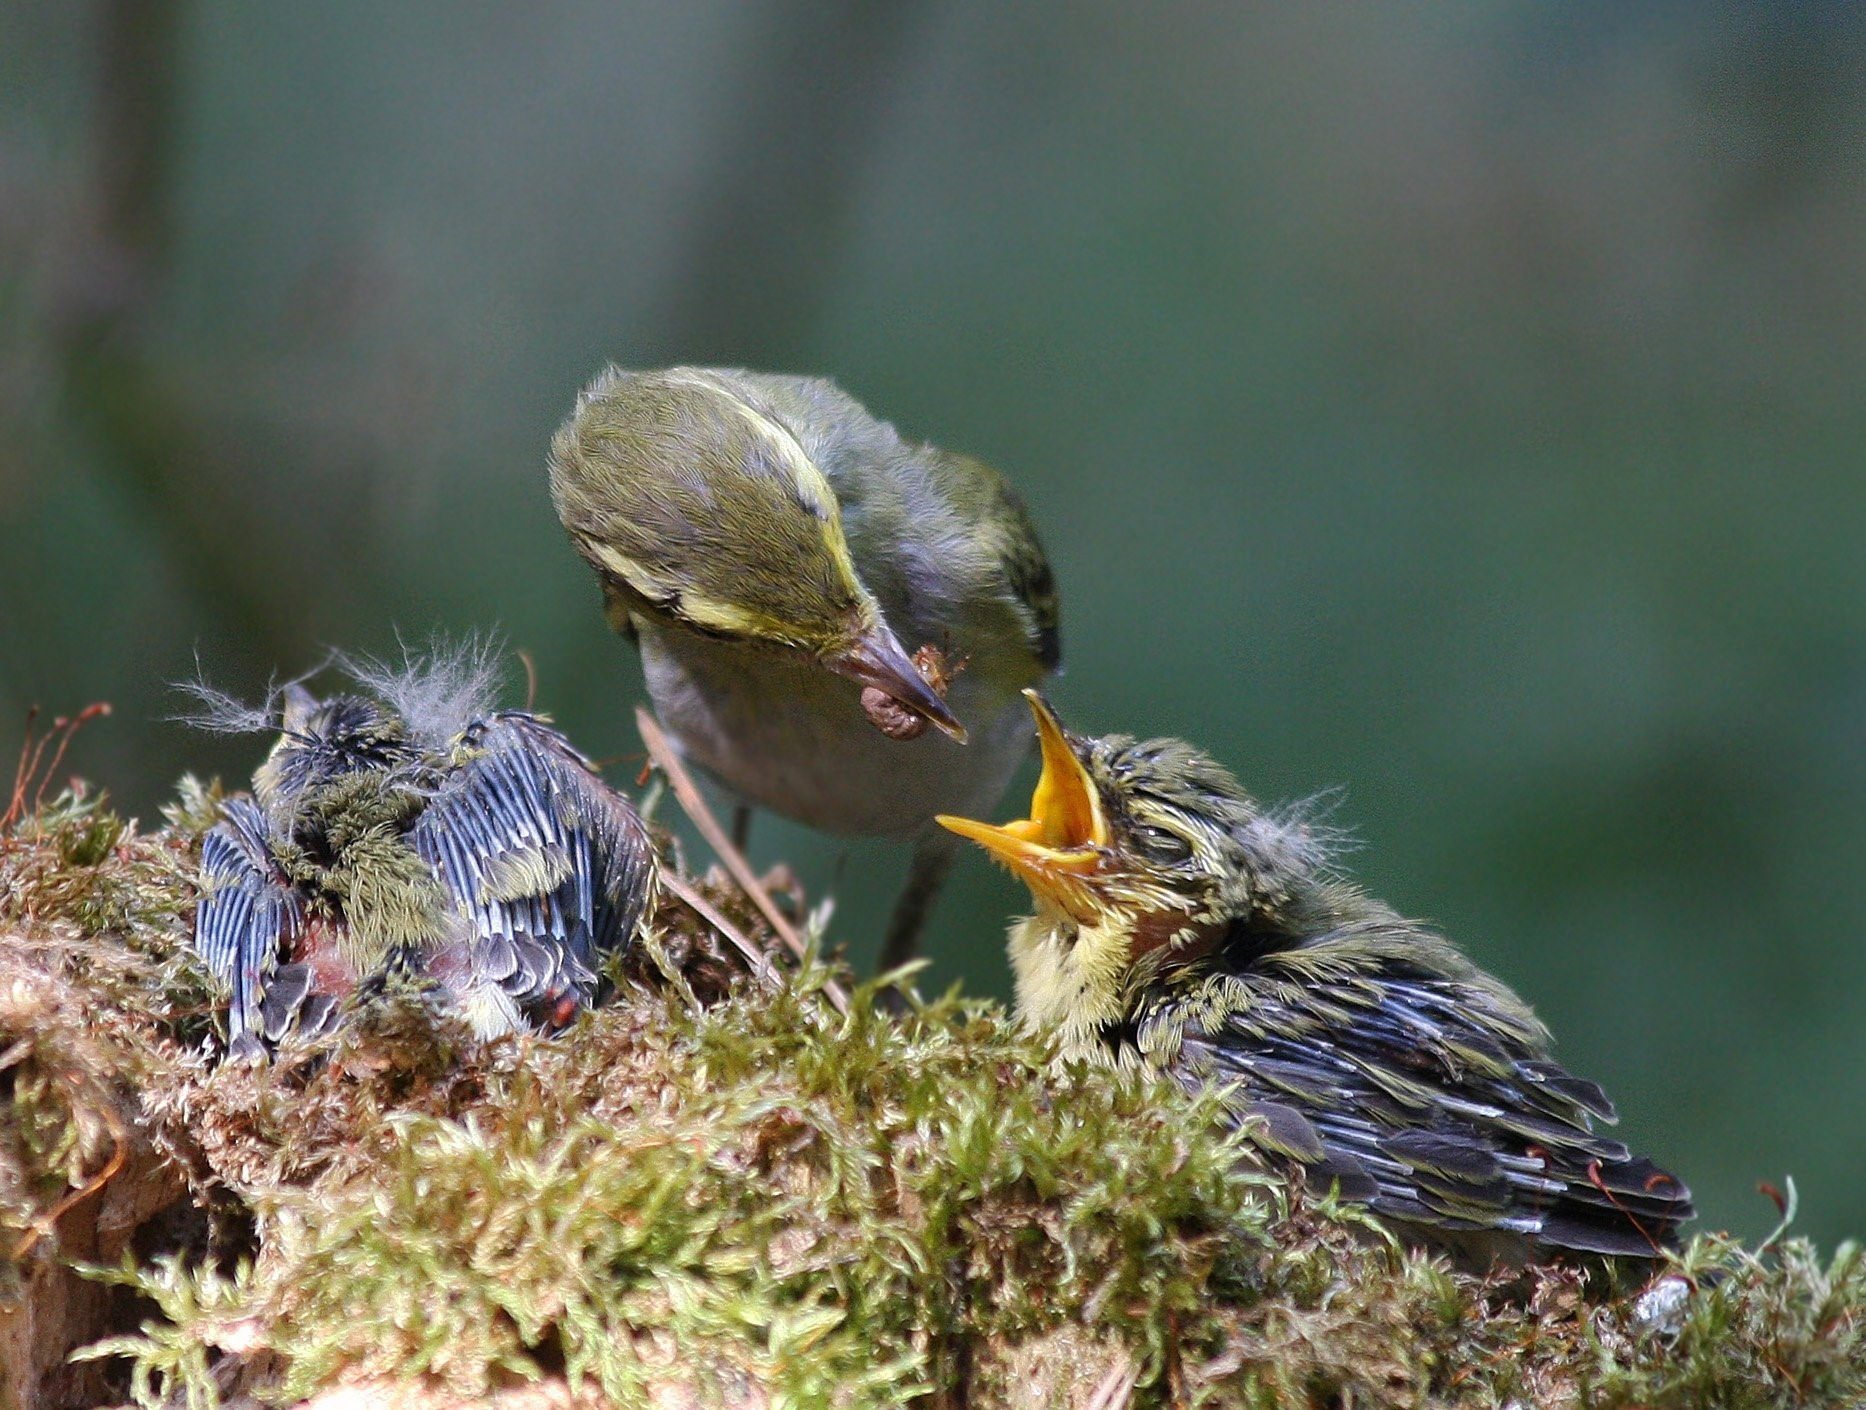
{"x":1412,"y":1097}
{"x":247,"y":917}
{"x":549,"y":870}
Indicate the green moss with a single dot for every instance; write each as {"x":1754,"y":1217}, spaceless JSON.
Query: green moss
{"x":760,"y":1201}
{"x":85,"y":1021}
{"x":1788,"y":1329}
{"x":818,"y":1204}
{"x":76,"y":868}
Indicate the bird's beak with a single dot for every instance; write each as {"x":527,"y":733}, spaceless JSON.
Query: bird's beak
{"x":296,"y":707}
{"x":1061,"y":843}
{"x":876,"y":659}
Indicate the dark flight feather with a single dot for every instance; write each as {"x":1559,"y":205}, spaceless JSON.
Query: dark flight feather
{"x":1433,"y":1115}
{"x":551,"y":866}
{"x":248,"y":915}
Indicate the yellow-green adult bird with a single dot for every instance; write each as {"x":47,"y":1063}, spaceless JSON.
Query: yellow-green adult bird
{"x":1182,"y":928}
{"x":782,"y":557}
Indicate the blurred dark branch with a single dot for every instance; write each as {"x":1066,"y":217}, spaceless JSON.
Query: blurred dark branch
{"x":168,"y":463}
{"x":764,"y":248}
{"x":139,"y":50}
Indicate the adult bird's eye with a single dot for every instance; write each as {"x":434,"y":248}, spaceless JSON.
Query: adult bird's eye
{"x":1159,"y":845}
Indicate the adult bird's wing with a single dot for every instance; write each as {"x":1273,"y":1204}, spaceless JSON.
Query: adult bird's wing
{"x":1419,"y":1098}
{"x":247,"y":916}
{"x":1003,"y":522}
{"x":549,"y":868}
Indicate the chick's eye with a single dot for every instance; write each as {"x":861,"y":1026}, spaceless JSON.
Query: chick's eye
{"x":1159,"y":845}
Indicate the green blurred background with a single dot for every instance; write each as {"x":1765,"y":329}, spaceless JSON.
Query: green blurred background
{"x":1459,"y":404}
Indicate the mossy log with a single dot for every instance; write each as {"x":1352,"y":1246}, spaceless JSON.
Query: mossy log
{"x":718,"y":1190}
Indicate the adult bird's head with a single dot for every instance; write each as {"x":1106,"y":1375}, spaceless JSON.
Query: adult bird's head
{"x":701,"y":510}
{"x":1140,"y":852}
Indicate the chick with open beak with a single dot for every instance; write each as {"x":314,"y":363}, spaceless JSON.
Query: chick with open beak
{"x":1061,"y":850}
{"x":1182,"y":928}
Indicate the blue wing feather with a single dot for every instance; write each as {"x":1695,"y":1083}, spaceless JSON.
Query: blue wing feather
{"x":548,"y":871}
{"x":540,"y":853}
{"x":247,"y":915}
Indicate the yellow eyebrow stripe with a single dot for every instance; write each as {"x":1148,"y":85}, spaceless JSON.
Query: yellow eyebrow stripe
{"x":813,"y":487}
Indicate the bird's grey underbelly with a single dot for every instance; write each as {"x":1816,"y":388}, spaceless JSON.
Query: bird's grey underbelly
{"x":793,"y":738}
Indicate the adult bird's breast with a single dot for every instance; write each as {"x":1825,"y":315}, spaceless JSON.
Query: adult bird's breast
{"x":792,"y":737}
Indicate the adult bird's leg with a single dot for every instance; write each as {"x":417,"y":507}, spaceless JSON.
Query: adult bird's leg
{"x":933,"y":857}
{"x":741,"y":825}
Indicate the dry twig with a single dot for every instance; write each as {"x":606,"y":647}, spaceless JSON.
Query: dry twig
{"x":665,"y":758}
{"x":691,"y":898}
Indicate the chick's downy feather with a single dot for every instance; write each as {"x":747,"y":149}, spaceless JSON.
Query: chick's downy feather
{"x":418,"y":829}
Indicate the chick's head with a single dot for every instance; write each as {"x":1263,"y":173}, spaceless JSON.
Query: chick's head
{"x":324,"y":740}
{"x":1143,"y":849}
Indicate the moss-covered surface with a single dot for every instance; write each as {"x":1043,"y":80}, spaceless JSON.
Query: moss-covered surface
{"x":727,"y":1194}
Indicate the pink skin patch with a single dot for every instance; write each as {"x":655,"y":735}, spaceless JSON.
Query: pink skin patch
{"x":317,"y":948}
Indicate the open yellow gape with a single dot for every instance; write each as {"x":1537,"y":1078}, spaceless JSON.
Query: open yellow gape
{"x":1066,"y":830}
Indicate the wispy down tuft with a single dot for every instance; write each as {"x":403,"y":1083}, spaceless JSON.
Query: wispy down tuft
{"x":1304,"y":828}
{"x":221,"y":712}
{"x":437,"y":690}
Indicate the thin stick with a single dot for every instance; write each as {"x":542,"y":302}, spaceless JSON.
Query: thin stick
{"x":48,"y":1221}
{"x":17,"y":799}
{"x":67,"y":729}
{"x":531,"y":679}
{"x":1594,"y":1179}
{"x":688,"y":794}
{"x":1116,"y":1389}
{"x":695,"y":807}
{"x":713,"y":916}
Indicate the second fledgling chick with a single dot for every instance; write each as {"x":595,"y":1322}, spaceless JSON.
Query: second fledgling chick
{"x":1184,"y":929}
{"x":782,"y":557}
{"x":411,"y":827}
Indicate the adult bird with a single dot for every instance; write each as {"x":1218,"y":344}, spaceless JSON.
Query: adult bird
{"x":409,"y":826}
{"x":834,"y":622}
{"x":1182,"y":928}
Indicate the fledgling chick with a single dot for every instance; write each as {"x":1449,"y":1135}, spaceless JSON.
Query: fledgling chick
{"x":415,"y":829}
{"x":777,"y":553}
{"x":1182,"y":928}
